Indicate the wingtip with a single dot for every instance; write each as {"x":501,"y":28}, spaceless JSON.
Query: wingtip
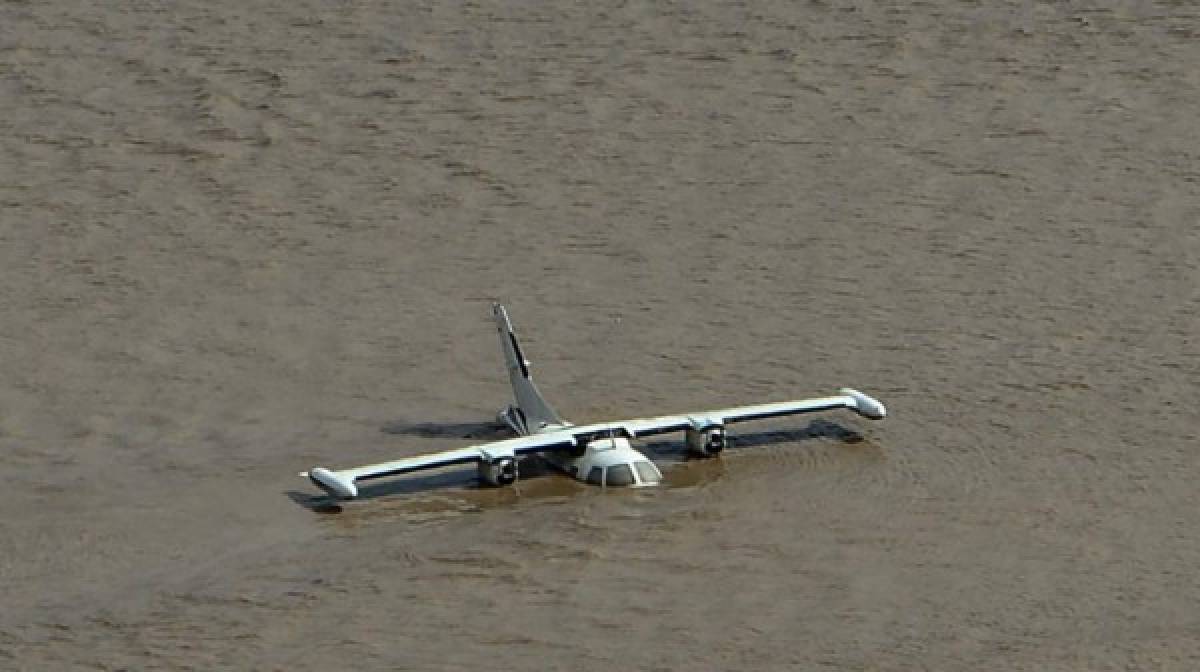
{"x":866,"y":405}
{"x":334,"y":483}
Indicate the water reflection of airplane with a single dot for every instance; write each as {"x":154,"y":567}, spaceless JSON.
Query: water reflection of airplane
{"x":598,"y":453}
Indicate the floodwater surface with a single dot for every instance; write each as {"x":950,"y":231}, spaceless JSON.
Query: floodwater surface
{"x":238,"y":240}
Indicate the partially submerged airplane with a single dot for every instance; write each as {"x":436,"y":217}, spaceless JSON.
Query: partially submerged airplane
{"x":599,"y":453}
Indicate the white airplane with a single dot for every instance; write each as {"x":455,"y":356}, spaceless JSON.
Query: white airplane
{"x":599,"y":453}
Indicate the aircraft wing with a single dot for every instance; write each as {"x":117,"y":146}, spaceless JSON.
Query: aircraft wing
{"x":850,"y":399}
{"x":341,"y":483}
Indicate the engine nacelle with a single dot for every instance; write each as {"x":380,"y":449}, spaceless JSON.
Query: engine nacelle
{"x":498,"y":471}
{"x":705,"y":437}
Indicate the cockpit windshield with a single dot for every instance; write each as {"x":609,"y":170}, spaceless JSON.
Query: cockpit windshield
{"x":619,"y":474}
{"x":647,"y":472}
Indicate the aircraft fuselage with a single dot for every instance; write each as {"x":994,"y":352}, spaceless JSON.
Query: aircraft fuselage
{"x":610,"y":461}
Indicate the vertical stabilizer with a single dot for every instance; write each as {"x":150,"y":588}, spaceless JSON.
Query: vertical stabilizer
{"x":534,"y":409}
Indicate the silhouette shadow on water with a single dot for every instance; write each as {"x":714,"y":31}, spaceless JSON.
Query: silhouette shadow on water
{"x":489,"y":431}
{"x":464,"y":479}
{"x":315,"y":503}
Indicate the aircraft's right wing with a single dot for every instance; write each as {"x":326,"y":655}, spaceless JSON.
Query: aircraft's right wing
{"x":341,"y":484}
{"x":851,"y":399}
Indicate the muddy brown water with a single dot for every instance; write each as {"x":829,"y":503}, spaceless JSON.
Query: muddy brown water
{"x":241,"y":239}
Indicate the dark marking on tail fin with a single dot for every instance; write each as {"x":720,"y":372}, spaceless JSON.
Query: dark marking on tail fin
{"x":521,"y":362}
{"x":534,"y":409}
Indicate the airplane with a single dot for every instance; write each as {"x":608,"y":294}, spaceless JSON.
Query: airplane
{"x":599,"y":453}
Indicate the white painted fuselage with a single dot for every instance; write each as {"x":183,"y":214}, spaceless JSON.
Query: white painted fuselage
{"x":611,"y":462}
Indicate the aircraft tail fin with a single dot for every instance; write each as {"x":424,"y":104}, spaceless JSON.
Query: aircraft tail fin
{"x":531,"y":410}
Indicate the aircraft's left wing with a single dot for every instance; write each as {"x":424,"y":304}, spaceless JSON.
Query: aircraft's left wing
{"x":850,"y":399}
{"x":341,"y":483}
